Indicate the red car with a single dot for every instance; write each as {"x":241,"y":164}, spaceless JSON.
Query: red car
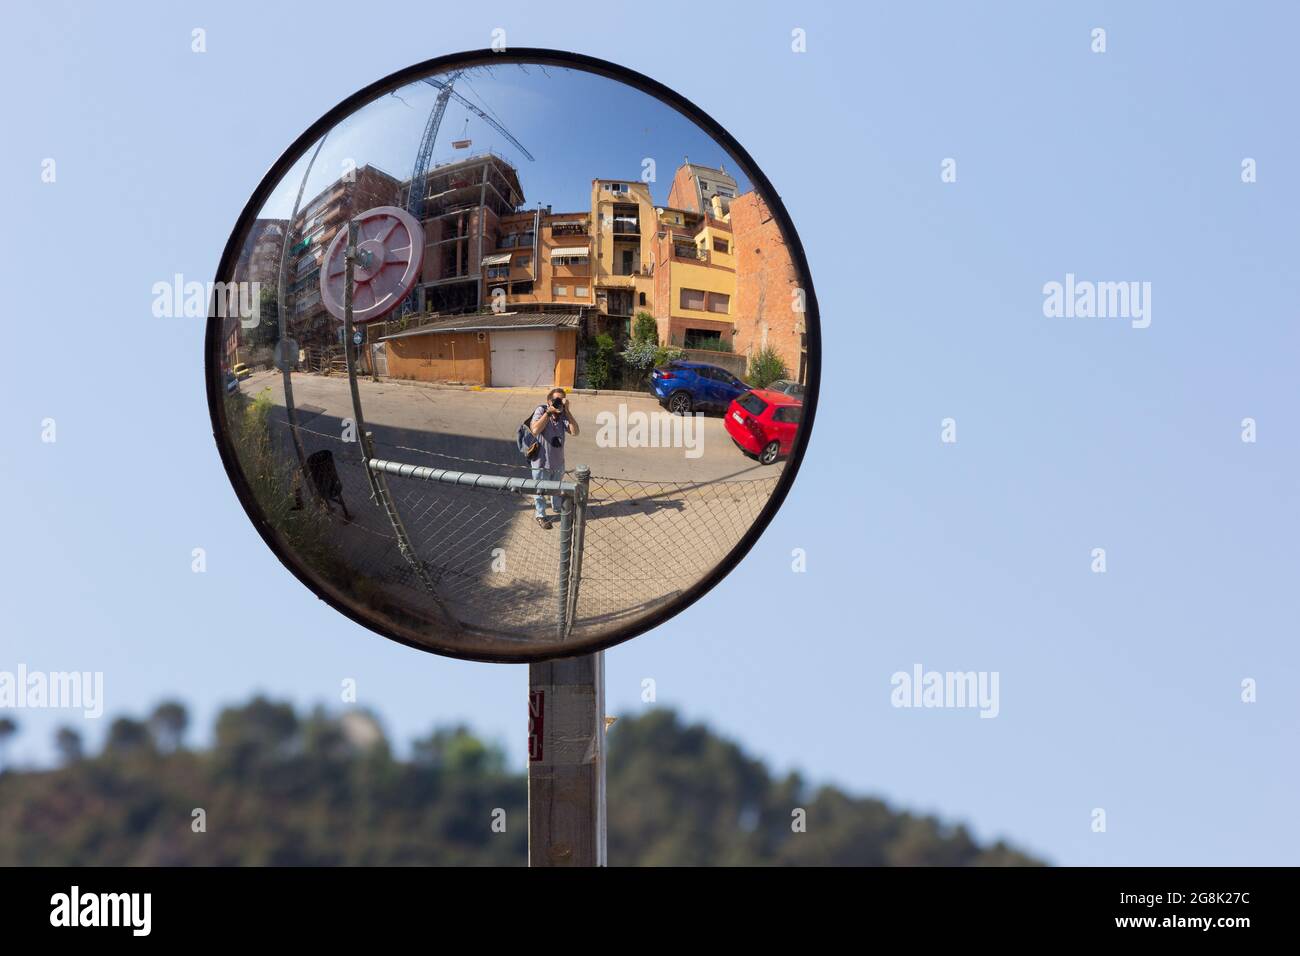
{"x":764,"y":423}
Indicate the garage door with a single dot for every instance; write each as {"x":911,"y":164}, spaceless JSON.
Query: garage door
{"x":524,"y":358}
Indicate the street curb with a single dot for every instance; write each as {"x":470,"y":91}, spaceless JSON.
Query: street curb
{"x":454,"y":387}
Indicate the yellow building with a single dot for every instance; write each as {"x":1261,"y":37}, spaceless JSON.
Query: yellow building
{"x":623,"y":223}
{"x":694,"y":280}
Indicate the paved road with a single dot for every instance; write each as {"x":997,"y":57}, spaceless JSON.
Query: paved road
{"x":453,"y":428}
{"x":656,"y":522}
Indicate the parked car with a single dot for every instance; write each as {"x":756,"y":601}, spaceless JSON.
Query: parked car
{"x":684,"y":387}
{"x":232,"y":383}
{"x":763,"y":423}
{"x":241,"y":371}
{"x":787,"y":387}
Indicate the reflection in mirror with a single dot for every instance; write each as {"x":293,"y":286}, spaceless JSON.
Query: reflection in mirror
{"x":515,"y":355}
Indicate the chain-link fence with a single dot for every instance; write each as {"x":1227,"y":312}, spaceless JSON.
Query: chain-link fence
{"x":475,"y":560}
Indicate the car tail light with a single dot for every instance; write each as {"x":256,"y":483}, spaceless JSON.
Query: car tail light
{"x":664,"y":374}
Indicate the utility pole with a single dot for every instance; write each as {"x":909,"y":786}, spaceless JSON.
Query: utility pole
{"x":566,"y":761}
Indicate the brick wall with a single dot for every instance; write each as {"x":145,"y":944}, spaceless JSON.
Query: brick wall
{"x":765,"y":282}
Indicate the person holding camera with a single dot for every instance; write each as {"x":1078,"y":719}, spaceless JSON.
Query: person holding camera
{"x":551,"y":424}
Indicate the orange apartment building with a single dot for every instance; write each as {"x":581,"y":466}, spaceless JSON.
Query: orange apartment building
{"x":542,"y":261}
{"x":624,"y":224}
{"x":505,"y":292}
{"x":506,"y":289}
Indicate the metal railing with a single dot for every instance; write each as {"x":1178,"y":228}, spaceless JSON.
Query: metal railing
{"x":573,"y":517}
{"x":465,"y":555}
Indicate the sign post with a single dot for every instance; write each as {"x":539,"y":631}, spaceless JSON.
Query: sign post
{"x":566,"y":761}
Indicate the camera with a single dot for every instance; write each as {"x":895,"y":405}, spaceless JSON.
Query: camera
{"x":557,"y":404}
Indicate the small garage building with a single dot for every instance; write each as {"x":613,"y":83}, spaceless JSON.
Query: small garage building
{"x":531,"y":350}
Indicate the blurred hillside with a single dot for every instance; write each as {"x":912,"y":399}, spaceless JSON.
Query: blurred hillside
{"x":283,"y":788}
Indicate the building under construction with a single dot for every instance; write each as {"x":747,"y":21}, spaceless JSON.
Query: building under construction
{"x":313,"y":230}
{"x":464,"y":203}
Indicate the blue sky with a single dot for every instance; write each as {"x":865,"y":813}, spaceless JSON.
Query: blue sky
{"x":578,"y":127}
{"x":1118,"y":690}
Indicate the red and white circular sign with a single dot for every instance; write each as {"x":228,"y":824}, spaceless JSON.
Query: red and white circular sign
{"x":390,"y":251}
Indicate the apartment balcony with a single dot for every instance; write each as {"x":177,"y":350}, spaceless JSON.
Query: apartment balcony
{"x":571,"y":272}
{"x":612,"y":281}
{"x":516,"y":241}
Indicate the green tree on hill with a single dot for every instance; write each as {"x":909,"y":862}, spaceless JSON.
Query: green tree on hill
{"x":281,"y":788}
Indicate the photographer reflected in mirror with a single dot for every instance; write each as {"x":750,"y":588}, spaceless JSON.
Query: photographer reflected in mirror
{"x":551,"y":423}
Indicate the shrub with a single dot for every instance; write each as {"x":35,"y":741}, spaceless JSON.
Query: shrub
{"x":765,"y":367}
{"x":665,"y":354}
{"x":646,"y":328}
{"x":289,"y":508}
{"x":600,"y":361}
{"x":640,"y":355}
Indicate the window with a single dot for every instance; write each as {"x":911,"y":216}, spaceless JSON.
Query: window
{"x":721,"y":245}
{"x":614,"y":187}
{"x":580,"y":291}
{"x":523,"y":262}
{"x":752,"y":404}
{"x":625,"y":269}
{"x":725,"y":192}
{"x":704,"y":187}
{"x":707,"y":339}
{"x":692,"y":299}
{"x":522,"y":288}
{"x":618,"y":302}
{"x":498,"y":272}
{"x":719,"y":302}
{"x":561,"y":291}
{"x":642,"y":299}
{"x":788,"y":413}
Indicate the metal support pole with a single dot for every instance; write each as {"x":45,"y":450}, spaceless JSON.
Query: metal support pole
{"x":365,"y":440}
{"x":566,"y":558}
{"x":566,"y":762}
{"x":358,"y":420}
{"x":282,"y":316}
{"x":580,"y":498}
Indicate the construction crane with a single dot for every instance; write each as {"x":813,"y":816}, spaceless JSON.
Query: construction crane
{"x":424,"y":156}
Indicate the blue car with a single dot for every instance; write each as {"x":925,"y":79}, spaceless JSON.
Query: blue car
{"x":685,"y":387}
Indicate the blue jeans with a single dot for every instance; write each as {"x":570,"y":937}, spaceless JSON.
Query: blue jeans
{"x":539,"y":501}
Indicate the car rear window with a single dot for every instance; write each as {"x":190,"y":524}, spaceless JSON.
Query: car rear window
{"x":751,"y":403}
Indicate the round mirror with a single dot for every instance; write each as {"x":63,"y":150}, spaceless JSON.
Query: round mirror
{"x":512,"y":356}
